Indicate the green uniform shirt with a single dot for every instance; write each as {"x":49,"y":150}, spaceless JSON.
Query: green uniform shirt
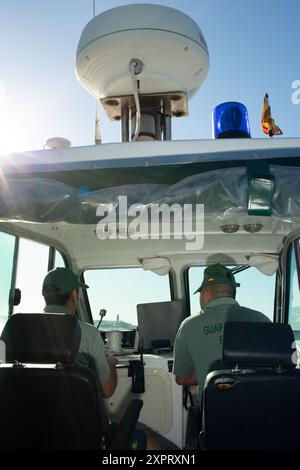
{"x":91,"y":349}
{"x":198,"y":343}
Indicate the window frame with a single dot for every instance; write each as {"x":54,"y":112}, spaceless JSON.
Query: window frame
{"x":284,"y":272}
{"x":13,"y":276}
{"x":294,"y":248}
{"x":186,"y":291}
{"x":52,"y":249}
{"x":186,"y":297}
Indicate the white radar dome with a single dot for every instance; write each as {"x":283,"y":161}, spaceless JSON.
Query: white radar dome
{"x":169,"y":44}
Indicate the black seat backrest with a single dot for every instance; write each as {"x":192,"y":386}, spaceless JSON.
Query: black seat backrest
{"x":258,"y":345}
{"x":45,"y":406}
{"x":50,"y":409}
{"x":41,"y":338}
{"x":253,"y":403}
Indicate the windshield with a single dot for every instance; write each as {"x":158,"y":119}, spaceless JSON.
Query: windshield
{"x":118,"y":291}
{"x":256,"y":290}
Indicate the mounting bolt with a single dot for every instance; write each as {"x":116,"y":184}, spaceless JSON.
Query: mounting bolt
{"x":137,"y":66}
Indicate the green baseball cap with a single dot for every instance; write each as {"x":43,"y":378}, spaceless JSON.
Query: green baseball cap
{"x":217,"y":274}
{"x":64,"y":279}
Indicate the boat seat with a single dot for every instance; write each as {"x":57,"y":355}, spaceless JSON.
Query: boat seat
{"x":46,"y":401}
{"x":254,"y":402}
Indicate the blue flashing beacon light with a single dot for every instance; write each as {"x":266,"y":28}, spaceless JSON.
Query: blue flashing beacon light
{"x":230,"y":120}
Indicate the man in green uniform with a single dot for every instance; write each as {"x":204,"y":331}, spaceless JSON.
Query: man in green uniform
{"x":60,"y":291}
{"x":198,"y":343}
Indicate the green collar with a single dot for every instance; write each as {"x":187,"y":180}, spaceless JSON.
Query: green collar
{"x":220,"y":301}
{"x":56,"y":309}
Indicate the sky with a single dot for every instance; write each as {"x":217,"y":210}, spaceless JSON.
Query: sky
{"x":252,"y":46}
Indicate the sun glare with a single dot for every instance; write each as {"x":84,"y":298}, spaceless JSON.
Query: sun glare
{"x":7,"y":136}
{"x":14,"y":135}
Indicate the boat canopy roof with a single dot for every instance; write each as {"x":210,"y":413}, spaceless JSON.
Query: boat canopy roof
{"x":55,"y":193}
{"x":67,"y":185}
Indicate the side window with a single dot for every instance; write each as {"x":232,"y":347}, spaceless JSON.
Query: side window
{"x":31,"y":270}
{"x":7,"y":248}
{"x":294,"y":291}
{"x":120,"y":290}
{"x":24,"y":264}
{"x":251,"y":280}
{"x":59,"y":261}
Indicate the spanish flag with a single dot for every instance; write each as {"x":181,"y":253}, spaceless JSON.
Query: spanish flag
{"x":268,"y":124}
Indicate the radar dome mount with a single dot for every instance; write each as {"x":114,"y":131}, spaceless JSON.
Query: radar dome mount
{"x":174,"y":59}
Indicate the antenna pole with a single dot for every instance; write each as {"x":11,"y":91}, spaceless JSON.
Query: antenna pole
{"x":98,"y":138}
{"x":167,"y":123}
{"x":125,"y":124}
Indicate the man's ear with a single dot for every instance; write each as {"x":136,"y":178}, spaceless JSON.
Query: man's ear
{"x":74,"y":295}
